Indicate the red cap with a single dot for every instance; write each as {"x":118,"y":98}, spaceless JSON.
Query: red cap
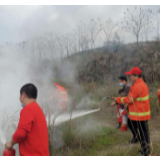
{"x":134,"y":70}
{"x":56,"y":84}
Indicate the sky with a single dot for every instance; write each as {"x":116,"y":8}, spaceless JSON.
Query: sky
{"x":18,"y":23}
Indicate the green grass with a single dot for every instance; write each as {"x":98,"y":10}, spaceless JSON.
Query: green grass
{"x":94,"y":145}
{"x":91,"y":143}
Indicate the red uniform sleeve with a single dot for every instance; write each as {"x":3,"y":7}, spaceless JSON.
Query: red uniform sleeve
{"x":133,"y":94}
{"x":19,"y":135}
{"x":25,"y":124}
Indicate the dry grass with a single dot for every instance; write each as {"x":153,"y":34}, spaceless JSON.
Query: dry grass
{"x":108,"y":141}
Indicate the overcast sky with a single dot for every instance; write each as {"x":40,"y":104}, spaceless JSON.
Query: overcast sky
{"x":21,"y":22}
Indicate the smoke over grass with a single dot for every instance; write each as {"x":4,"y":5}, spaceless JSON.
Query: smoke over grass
{"x":14,"y":73}
{"x":19,"y":66}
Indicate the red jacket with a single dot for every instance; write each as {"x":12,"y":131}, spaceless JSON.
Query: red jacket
{"x":138,"y":101}
{"x":32,"y":132}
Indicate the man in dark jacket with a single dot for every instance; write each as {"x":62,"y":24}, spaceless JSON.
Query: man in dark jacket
{"x":123,"y":83}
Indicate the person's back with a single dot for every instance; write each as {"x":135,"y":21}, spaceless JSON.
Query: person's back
{"x":36,"y":142}
{"x":31,"y":134}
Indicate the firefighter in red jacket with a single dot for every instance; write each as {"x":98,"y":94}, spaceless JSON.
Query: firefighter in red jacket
{"x":59,"y":98}
{"x":32,"y":132}
{"x":139,"y":108}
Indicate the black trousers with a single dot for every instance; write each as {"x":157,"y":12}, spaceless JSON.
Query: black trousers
{"x":140,"y":131}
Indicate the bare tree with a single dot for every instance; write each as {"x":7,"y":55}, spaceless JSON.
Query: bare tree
{"x":93,"y":32}
{"x":68,"y":43}
{"x":84,"y":42}
{"x":52,"y":45}
{"x":81,"y":32}
{"x":135,"y":21}
{"x":74,"y":42}
{"x":116,"y":41}
{"x":60,"y":46}
{"x":109,"y":28}
{"x":40,"y":47}
{"x":149,"y":24}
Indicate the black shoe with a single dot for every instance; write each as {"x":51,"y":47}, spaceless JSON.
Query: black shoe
{"x":141,"y":152}
{"x":133,"y":140}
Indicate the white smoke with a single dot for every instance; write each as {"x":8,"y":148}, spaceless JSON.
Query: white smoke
{"x":14,"y":73}
{"x":19,"y":66}
{"x":2,"y":137}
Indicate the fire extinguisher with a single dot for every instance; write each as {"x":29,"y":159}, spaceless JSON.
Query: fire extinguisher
{"x":124,"y":123}
{"x":118,"y":114}
{"x":9,"y":152}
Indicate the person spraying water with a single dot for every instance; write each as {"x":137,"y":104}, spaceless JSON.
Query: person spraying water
{"x":32,"y":132}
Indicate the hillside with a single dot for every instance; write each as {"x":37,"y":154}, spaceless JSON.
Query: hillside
{"x":100,"y":64}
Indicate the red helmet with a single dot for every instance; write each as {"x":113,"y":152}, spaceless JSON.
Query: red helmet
{"x":56,"y":84}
